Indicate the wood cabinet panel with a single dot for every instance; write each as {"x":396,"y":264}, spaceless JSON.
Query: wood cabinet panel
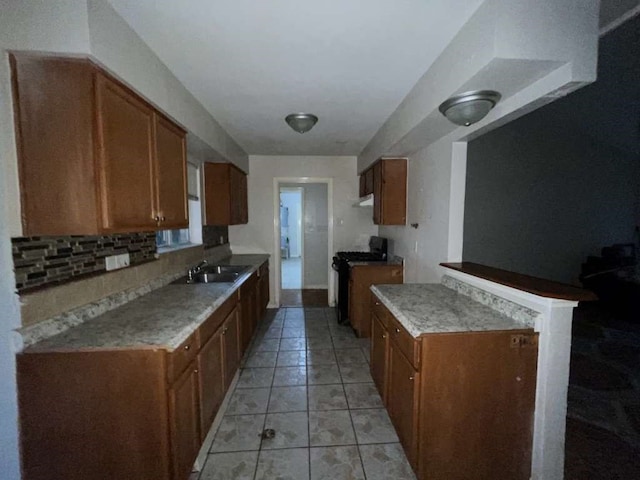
{"x":225,"y":194}
{"x":82,"y":417}
{"x":402,"y":400}
{"x":379,"y":355}
{"x":389,"y":186}
{"x":211,"y":380}
{"x":479,"y":392}
{"x":43,"y":140}
{"x":170,"y":175}
{"x":125,"y":136}
{"x":361,"y":277}
{"x":248,"y":301}
{"x":231,"y":340}
{"x":184,"y":418}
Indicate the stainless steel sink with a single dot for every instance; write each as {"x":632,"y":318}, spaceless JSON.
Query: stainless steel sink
{"x":215,"y":274}
{"x":222,"y":269}
{"x":212,"y":277}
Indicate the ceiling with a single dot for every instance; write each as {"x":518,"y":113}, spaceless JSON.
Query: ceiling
{"x":250,"y":63}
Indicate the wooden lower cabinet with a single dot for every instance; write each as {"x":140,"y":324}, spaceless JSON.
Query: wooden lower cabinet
{"x":361,"y":277}
{"x":379,"y":355}
{"x":463,"y":403}
{"x":402,"y":400}
{"x":127,"y":413}
{"x":184,"y":418}
{"x":248,"y":321}
{"x":231,"y":342}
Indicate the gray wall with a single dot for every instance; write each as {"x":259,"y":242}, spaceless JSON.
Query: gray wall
{"x":550,"y":188}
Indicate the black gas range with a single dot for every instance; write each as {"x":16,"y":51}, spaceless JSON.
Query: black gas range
{"x":377,"y":253}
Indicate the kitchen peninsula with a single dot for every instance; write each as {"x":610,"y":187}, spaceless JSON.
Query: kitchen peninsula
{"x":474,"y":372}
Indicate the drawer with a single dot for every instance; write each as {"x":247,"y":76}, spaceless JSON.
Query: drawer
{"x":383,"y":314}
{"x":211,"y":324}
{"x":180,"y":358}
{"x":408,"y":345}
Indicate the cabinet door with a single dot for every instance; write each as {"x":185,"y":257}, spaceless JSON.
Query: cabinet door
{"x":368,"y":181}
{"x":379,"y":355}
{"x":265,"y":288}
{"x":247,"y":308}
{"x":393,"y":191}
{"x":211,"y":381}
{"x":184,"y":421}
{"x":402,"y":401}
{"x":125,"y":135}
{"x":217,"y":199}
{"x":377,"y":193}
{"x":171,"y":175}
{"x":239,"y":197}
{"x":231,"y":340}
{"x":57,"y":176}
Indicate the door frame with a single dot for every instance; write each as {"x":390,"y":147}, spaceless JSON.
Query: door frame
{"x":277,"y":181}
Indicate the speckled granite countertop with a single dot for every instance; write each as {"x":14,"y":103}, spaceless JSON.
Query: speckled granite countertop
{"x":162,"y":319}
{"x":433,"y":308}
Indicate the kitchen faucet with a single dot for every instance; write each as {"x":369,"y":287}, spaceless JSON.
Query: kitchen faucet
{"x":195,"y":270}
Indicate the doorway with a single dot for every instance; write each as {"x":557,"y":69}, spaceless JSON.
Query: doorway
{"x":291,"y":238}
{"x":303,"y":228}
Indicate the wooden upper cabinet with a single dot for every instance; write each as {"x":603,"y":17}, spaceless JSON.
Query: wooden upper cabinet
{"x":225,"y":195}
{"x":387,"y":180}
{"x":125,"y":156}
{"x":93,"y":156}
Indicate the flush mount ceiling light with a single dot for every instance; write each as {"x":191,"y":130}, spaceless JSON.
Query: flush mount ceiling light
{"x":469,"y":107}
{"x":301,"y":122}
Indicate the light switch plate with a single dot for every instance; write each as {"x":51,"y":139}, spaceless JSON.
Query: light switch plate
{"x":115,"y":262}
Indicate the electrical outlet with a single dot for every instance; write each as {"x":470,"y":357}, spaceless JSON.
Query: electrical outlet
{"x":115,"y":262}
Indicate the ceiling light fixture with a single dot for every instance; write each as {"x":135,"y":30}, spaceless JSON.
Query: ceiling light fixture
{"x":301,"y":122}
{"x":469,"y":107}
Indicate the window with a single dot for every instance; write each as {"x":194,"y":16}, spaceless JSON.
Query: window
{"x":172,"y":238}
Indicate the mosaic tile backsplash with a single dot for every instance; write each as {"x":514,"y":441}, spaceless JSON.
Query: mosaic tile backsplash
{"x":40,"y":261}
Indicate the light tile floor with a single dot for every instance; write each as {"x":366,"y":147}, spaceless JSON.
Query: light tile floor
{"x":307,"y":378}
{"x":291,"y":272}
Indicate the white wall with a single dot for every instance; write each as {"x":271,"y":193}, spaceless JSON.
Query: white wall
{"x":541,"y":197}
{"x":352,"y":226}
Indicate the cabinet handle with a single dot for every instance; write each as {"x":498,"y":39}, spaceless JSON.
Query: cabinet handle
{"x":163,"y":218}
{"x":195,"y":371}
{"x":377,"y":303}
{"x":384,"y":336}
{"x":412,"y":378}
{"x":224,"y":330}
{"x":397,"y":330}
{"x":156,"y":218}
{"x":187,"y":347}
